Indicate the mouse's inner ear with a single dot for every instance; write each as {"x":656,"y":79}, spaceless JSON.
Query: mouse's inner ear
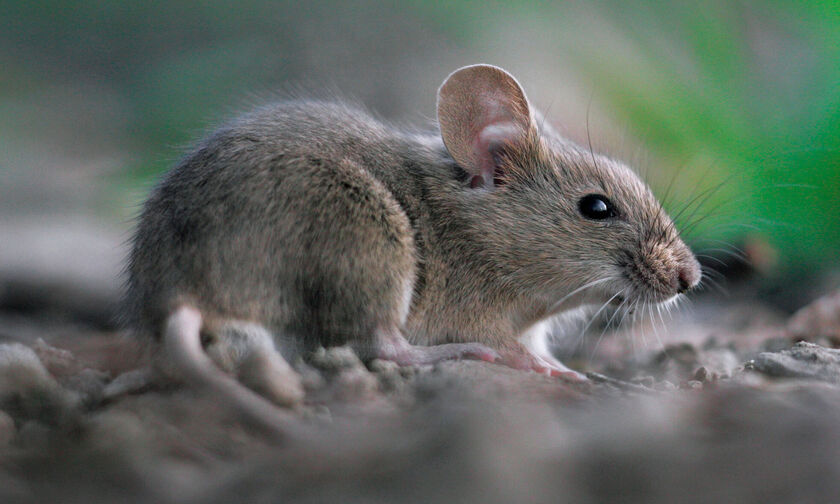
{"x":481,"y":110}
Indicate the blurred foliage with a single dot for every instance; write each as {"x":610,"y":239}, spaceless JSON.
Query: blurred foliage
{"x":754,"y":88}
{"x":743,"y":96}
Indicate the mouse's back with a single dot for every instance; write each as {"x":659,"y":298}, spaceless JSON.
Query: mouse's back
{"x":249,"y":220}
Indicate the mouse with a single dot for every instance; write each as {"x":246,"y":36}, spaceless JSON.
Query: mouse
{"x":310,"y":223}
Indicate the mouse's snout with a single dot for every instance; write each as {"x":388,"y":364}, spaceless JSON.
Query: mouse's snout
{"x":687,"y":276}
{"x":662,"y":270}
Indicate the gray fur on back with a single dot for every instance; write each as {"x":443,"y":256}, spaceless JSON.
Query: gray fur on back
{"x":235,"y":225}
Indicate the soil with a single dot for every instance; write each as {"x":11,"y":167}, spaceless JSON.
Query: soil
{"x":744,"y":409}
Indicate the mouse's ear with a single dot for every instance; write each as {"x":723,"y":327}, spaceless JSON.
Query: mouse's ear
{"x":481,"y":109}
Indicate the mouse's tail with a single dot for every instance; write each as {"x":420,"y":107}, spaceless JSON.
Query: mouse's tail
{"x":183,"y":344}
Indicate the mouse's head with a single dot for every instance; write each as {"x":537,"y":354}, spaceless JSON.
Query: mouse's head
{"x":550,"y":218}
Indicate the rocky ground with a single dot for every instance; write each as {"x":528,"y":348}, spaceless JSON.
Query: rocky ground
{"x":741,"y":410}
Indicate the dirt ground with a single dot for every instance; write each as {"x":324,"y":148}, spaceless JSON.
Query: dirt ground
{"x":731,"y":403}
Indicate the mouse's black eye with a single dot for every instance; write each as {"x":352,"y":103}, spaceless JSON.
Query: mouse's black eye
{"x":596,"y":206}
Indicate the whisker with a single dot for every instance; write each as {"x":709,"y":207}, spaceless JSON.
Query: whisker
{"x":705,"y":194}
{"x":717,"y":275}
{"x":579,"y":289}
{"x":653,"y":323}
{"x":606,"y":326}
{"x":711,"y":258}
{"x":645,"y":308}
{"x":706,"y":279}
{"x":628,"y":311}
{"x":592,"y":319}
{"x":588,"y":137}
{"x":731,"y":253}
{"x":665,"y":199}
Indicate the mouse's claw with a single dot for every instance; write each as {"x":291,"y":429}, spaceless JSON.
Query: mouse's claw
{"x":526,"y":361}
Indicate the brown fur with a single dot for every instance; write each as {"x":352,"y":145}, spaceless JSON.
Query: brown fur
{"x":315,"y":220}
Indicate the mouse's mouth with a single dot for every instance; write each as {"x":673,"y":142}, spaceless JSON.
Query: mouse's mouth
{"x":635,"y":299}
{"x":647,"y":283}
{"x":646,"y":293}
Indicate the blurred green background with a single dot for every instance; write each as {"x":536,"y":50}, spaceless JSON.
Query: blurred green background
{"x":729,"y":108}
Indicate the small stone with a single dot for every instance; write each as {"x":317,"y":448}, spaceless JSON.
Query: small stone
{"x":408,"y":371}
{"x":130,"y":382}
{"x":356,"y":384}
{"x":336,"y":358}
{"x":58,"y":361}
{"x":88,"y":383}
{"x":389,"y":375}
{"x":691,"y":385}
{"x":645,"y":381}
{"x":665,"y":385}
{"x":25,"y":381}
{"x":310,"y":378}
{"x":803,"y":360}
{"x":384,"y":366}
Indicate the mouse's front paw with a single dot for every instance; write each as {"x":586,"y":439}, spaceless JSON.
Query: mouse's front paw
{"x":526,"y":361}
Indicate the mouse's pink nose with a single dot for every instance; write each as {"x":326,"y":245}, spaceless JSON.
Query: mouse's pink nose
{"x":688,"y":276}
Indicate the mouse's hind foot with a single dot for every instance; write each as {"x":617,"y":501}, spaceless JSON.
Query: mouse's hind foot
{"x":394,"y":347}
{"x":247,"y":352}
{"x":131,"y":382}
